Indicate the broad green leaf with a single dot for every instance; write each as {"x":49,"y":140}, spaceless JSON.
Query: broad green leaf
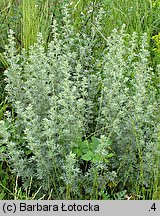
{"x":96,"y":159}
{"x":84,"y":146}
{"x":94,"y":144}
{"x":77,"y":151}
{"x":88,"y":156}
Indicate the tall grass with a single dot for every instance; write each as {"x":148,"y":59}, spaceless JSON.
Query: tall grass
{"x":30,"y":22}
{"x":36,"y":17}
{"x":138,"y":15}
{"x":27,"y":17}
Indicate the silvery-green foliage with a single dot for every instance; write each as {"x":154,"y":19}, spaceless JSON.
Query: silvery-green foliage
{"x":70,"y":171}
{"x":70,"y":175}
{"x":128,"y":107}
{"x":66,"y":93}
{"x":51,"y":95}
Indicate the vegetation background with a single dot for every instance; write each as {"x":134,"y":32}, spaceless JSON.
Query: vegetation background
{"x":109,"y":141}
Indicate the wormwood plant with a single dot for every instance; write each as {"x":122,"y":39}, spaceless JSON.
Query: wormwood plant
{"x":80,"y":119}
{"x":129,"y":111}
{"x":48,"y":92}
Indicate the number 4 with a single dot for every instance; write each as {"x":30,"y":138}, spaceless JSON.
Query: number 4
{"x":153,"y":207}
